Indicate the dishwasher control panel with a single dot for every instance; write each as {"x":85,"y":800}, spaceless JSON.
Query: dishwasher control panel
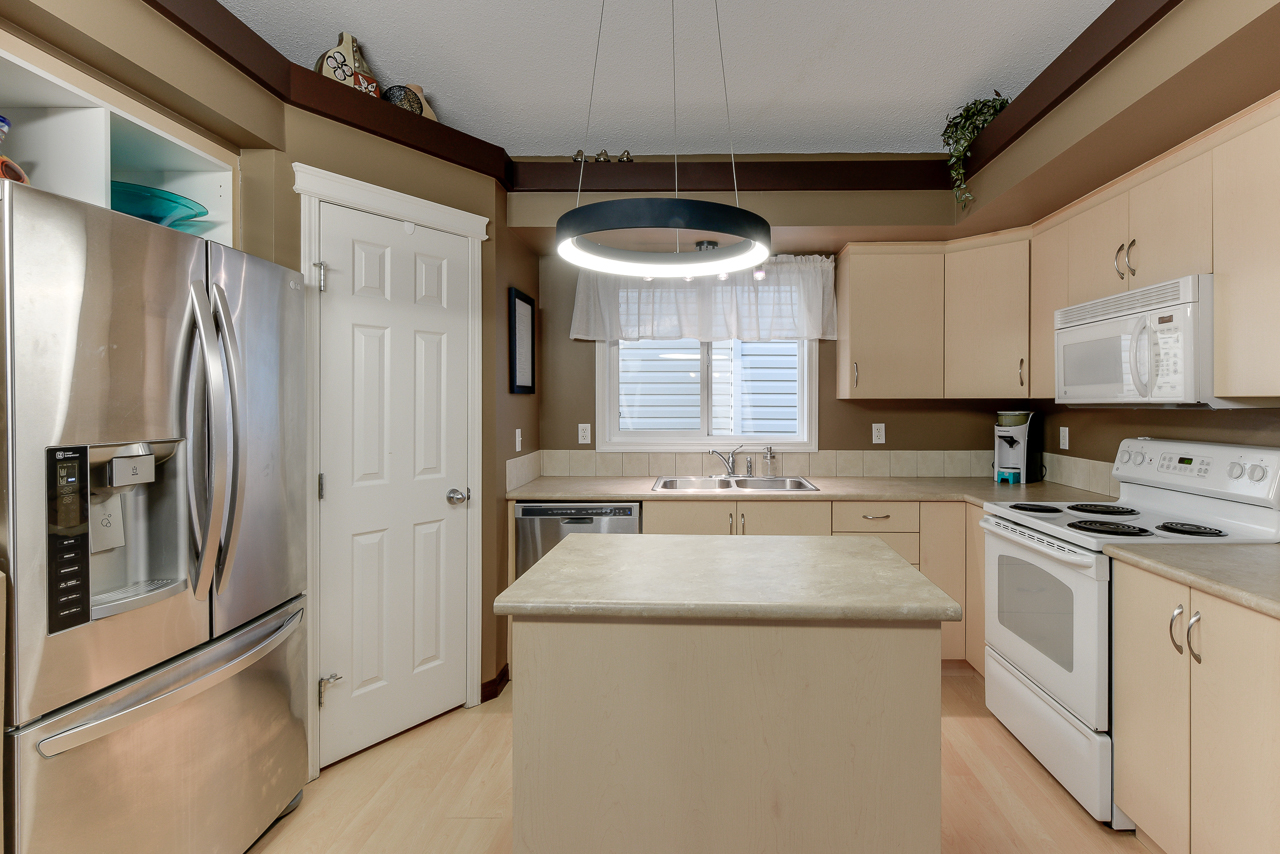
{"x":563,"y":510}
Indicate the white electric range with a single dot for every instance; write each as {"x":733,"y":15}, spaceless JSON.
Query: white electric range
{"x":1048,"y":591}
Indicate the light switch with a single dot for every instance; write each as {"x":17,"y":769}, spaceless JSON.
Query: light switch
{"x":106,"y":525}
{"x":1062,"y":438}
{"x":519,"y":441}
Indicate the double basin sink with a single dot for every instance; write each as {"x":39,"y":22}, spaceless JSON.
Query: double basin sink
{"x":732,"y":483}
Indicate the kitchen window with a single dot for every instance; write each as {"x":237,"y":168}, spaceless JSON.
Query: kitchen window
{"x":691,"y":395}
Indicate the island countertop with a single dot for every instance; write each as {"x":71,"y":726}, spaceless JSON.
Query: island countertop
{"x":661,"y":576}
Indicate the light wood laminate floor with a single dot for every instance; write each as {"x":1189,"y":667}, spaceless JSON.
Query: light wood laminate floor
{"x":445,"y":788}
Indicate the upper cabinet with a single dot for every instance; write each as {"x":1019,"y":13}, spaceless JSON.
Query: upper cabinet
{"x":986,"y":342}
{"x":1171,"y":225}
{"x":1050,"y":291}
{"x":1096,"y":240}
{"x":1246,"y":257}
{"x":74,"y":137}
{"x":890,"y":323}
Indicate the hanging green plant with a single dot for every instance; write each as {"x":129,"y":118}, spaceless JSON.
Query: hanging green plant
{"x":961,"y":130}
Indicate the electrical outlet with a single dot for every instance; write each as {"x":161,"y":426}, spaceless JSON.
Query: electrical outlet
{"x":584,"y":434}
{"x":519,"y":441}
{"x":1062,"y":438}
{"x":877,"y":434}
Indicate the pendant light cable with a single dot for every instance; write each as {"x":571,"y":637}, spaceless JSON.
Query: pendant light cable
{"x":586,"y":134}
{"x":675,"y":119}
{"x":724,"y":78}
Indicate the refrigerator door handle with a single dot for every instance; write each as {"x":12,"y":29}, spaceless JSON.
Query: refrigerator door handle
{"x":87,"y":732}
{"x":206,"y":564}
{"x":239,"y":459}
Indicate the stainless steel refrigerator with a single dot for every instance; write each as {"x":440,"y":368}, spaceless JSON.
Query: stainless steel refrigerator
{"x":153,"y":461}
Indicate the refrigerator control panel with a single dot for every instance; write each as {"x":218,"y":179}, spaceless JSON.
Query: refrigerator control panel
{"x":67,"y":476}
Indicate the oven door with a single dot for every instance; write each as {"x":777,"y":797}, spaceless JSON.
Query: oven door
{"x":1047,"y":605}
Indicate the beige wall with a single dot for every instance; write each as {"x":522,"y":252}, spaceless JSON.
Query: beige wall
{"x":567,"y":376}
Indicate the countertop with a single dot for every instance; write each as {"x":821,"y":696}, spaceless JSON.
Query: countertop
{"x":663,"y":576}
{"x":975,"y":490}
{"x":1249,"y":576}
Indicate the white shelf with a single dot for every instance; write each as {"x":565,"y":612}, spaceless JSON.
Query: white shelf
{"x":75,"y":145}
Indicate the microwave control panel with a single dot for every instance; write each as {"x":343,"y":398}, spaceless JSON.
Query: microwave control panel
{"x":1168,"y":357}
{"x":67,"y":487}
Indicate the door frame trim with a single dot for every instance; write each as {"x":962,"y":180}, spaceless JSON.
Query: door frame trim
{"x":316,"y":186}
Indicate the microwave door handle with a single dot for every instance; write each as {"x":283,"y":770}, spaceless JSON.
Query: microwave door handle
{"x":239,"y":461}
{"x":215,"y":384}
{"x":1141,"y":386}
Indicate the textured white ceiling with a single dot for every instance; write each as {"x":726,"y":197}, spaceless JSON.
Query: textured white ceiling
{"x":805,"y":76}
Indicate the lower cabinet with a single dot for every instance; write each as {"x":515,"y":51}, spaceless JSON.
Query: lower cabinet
{"x":785,"y":518}
{"x":942,"y":561}
{"x":975,"y":590}
{"x":1197,"y":746}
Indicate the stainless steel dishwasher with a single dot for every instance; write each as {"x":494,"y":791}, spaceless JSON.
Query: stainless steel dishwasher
{"x":540,"y":526}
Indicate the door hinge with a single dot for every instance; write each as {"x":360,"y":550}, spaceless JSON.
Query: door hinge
{"x":321,"y":486}
{"x":325,"y":682}
{"x":321,"y":266}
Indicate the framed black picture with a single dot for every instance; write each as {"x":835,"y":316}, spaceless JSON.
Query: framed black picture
{"x":520,"y":332}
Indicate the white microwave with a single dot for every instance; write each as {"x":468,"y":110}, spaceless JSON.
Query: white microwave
{"x":1152,"y":346}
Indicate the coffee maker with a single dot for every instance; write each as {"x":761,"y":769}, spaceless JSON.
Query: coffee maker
{"x":1019,"y":451}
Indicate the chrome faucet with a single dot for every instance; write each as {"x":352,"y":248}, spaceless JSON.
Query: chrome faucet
{"x":728,"y":461}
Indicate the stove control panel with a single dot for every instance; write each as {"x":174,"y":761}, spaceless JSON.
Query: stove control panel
{"x":1185,"y":464}
{"x":1236,"y":472}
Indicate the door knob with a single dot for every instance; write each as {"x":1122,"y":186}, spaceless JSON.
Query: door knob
{"x":457,"y":496}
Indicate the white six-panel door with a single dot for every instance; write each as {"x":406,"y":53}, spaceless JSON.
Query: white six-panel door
{"x":393,"y":441}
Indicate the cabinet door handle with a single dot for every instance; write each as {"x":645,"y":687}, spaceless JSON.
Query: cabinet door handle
{"x":855,"y":374}
{"x":730,"y":522}
{"x":1132,"y":272}
{"x":1021,"y":362}
{"x":1177,"y":612}
{"x":873,"y":518}
{"x":744,"y":523}
{"x":1116,"y":261}
{"x":1195,"y":618}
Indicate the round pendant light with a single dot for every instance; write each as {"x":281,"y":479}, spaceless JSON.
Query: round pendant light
{"x":573,"y":228}
{"x":575,"y":247}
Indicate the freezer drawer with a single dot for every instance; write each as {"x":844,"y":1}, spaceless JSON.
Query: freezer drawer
{"x":198,"y":755}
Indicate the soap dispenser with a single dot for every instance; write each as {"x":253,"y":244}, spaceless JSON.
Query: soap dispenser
{"x":767,"y":465}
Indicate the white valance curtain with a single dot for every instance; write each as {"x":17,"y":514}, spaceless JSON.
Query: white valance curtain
{"x":795,"y":300}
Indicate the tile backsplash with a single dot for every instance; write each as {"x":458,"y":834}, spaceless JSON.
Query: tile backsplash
{"x":817,"y":464}
{"x":1092,"y":475}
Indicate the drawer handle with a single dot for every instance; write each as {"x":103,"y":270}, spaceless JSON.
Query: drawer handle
{"x":1195,"y":618}
{"x":1177,"y":612}
{"x":873,"y":518}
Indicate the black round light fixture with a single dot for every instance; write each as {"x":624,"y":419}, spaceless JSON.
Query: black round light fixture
{"x":619,"y":214}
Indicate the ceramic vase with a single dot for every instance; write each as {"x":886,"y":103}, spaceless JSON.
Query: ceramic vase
{"x":346,"y":64}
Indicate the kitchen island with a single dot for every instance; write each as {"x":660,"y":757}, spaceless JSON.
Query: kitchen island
{"x":726,"y":694}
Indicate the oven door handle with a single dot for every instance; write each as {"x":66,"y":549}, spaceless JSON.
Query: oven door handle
{"x":1075,"y":558}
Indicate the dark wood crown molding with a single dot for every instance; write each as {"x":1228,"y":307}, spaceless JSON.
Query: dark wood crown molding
{"x":1119,"y":25}
{"x":1123,"y":22}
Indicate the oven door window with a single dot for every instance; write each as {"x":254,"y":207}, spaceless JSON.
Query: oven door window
{"x":1038,"y":608}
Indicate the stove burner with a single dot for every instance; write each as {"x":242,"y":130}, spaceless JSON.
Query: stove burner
{"x":1113,"y":529}
{"x":1103,"y":509}
{"x":1189,"y":529}
{"x":1034,"y":508}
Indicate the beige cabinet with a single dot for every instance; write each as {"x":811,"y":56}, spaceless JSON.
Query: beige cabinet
{"x":1171,"y":224}
{"x":942,"y":561}
{"x":1197,"y":749}
{"x":1235,"y":729}
{"x":1049,"y":292}
{"x":1096,"y":240}
{"x":786,"y":518}
{"x":906,"y":545}
{"x":889,"y":310}
{"x":1151,"y":702}
{"x":875,"y":516}
{"x":987,"y":293}
{"x":975,"y":575}
{"x":1246,"y":260}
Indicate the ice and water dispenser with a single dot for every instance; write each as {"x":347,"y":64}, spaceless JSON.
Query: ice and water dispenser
{"x":119,"y":530}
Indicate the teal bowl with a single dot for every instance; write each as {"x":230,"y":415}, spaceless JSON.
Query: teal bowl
{"x":158,"y":206}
